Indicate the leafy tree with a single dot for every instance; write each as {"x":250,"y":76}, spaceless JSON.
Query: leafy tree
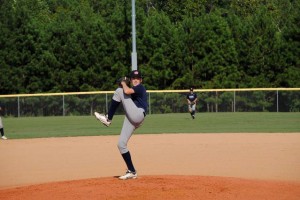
{"x":290,"y":49}
{"x":66,"y":45}
{"x":158,"y":50}
{"x":21,"y":48}
{"x":210,"y":55}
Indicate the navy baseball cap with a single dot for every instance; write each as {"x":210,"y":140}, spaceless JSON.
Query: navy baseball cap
{"x":135,"y":74}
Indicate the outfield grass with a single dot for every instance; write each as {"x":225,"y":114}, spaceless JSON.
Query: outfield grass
{"x":43,"y":127}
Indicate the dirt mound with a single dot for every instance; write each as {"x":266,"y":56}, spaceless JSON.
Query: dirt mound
{"x":158,"y":187}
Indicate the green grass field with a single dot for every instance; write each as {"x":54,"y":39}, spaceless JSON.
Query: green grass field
{"x":43,"y":127}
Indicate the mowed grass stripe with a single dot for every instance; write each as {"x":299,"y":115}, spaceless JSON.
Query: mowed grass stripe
{"x":43,"y":127}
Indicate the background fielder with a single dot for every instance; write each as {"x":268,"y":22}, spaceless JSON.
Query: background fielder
{"x":1,"y":123}
{"x":192,"y":100}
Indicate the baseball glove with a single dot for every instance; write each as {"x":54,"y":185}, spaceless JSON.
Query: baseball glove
{"x":125,"y":79}
{"x":191,"y":103}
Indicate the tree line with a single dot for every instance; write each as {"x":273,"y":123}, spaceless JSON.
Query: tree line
{"x":85,"y":45}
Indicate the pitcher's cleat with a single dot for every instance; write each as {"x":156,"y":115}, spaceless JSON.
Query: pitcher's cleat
{"x":102,"y":118}
{"x":4,"y":138}
{"x":129,"y":175}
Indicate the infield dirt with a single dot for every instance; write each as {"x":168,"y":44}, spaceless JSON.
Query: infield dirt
{"x":170,"y":166}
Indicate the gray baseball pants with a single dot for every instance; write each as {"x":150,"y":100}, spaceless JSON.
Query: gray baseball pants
{"x":1,"y":123}
{"x":192,"y":107}
{"x":134,"y":118}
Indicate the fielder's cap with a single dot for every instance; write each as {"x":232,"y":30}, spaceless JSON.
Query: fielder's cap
{"x":135,"y":74}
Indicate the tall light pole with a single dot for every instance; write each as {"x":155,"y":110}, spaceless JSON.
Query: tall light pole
{"x":133,"y":53}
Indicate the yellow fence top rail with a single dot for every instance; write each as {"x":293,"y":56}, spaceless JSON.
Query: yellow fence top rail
{"x":152,"y":91}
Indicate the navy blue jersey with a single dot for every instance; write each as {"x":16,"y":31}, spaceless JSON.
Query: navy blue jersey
{"x":191,"y":96}
{"x":139,"y":97}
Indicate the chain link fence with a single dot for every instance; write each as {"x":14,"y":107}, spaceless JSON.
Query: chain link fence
{"x":163,"y":101}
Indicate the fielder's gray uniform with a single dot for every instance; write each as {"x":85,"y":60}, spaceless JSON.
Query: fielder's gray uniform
{"x":192,"y":98}
{"x":1,"y":110}
{"x":192,"y":107}
{"x":1,"y":123}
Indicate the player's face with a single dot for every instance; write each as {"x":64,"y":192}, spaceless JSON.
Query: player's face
{"x":135,"y":81}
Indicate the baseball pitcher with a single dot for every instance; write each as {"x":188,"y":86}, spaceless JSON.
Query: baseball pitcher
{"x":134,"y":101}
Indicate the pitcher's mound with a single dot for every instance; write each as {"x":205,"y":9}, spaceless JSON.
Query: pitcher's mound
{"x":159,"y":187}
